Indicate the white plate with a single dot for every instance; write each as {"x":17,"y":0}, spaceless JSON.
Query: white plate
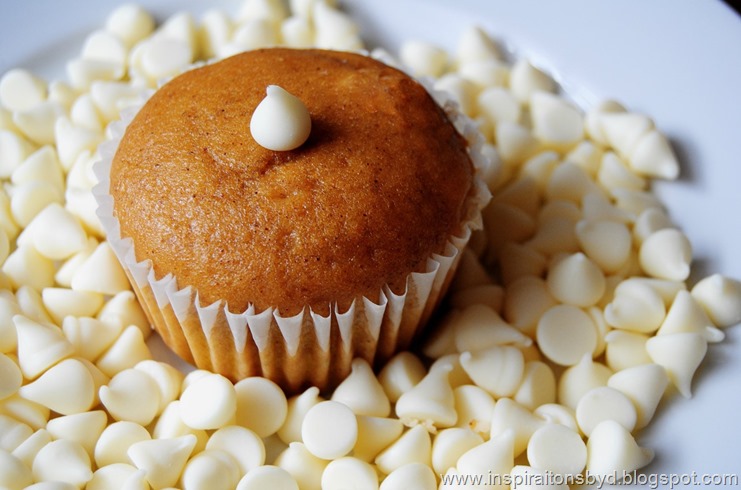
{"x":679,"y":62}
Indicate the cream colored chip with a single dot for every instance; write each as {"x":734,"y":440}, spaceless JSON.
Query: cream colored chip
{"x":569,"y":182}
{"x":612,"y":450}
{"x":526,"y":79}
{"x":117,"y":476}
{"x":32,"y":306}
{"x":515,"y":421}
{"x":686,"y":315}
{"x":720,"y":297}
{"x":374,"y":435}
{"x":554,"y":413}
{"x":414,"y":446}
{"x":538,"y":385}
{"x":635,"y":307}
{"x":576,"y":280}
{"x":461,"y":90}
{"x":81,"y":203}
{"x":605,"y":403}
{"x":297,"y":32}
{"x":89,"y":337}
{"x":296,"y":409}
{"x":479,"y":327}
{"x":170,"y":424}
{"x":8,"y":309}
{"x":130,"y":23}
{"x":37,"y":123}
{"x":485,"y":73}
{"x":67,"y":270}
{"x":515,"y":142}
{"x":162,"y":460}
{"x":10,"y":377}
{"x":525,"y":301}
{"x":580,"y":378}
{"x":40,"y":165}
{"x":506,"y":223}
{"x":131,"y":395}
{"x":30,"y":198}
{"x":474,"y":407}
{"x":430,"y":403}
{"x":128,"y":350}
{"x":63,"y":302}
{"x":680,"y":354}
{"x":362,"y":392}
{"x":261,"y":405}
{"x":518,"y":261}
{"x":20,"y":90}
{"x":168,"y":379}
{"x":29,"y":448}
{"x":557,"y":449}
{"x":39,"y":346}
{"x":415,"y":476}
{"x":329,"y":430}
{"x":105,"y":46}
{"x":334,"y":29}
{"x":65,"y":388}
{"x":14,"y":149}
{"x":449,"y":445}
{"x":555,"y":236}
{"x":614,"y":175}
{"x":115,"y":440}
{"x":607,"y":243}
{"x":666,"y":254}
{"x":101,"y":273}
{"x":211,"y":469}
{"x":495,"y":457}
{"x":72,"y":140}
{"x":556,"y":122}
{"x":565,"y":334}
{"x":625,"y":349}
{"x":211,"y":402}
{"x":644,"y":385}
{"x":64,"y":461}
{"x":124,"y":310}
{"x":25,"y":411}
{"x":214,"y":32}
{"x":400,"y":374}
{"x":242,"y":444}
{"x":457,"y":375}
{"x":12,"y":433}
{"x":267,"y":476}
{"x":624,"y":130}
{"x":423,"y":58}
{"x":84,"y":428}
{"x":498,"y":369}
{"x":13,"y":473}
{"x":305,"y":468}
{"x":339,"y":472}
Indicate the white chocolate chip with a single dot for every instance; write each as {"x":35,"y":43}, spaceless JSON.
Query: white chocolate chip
{"x":423,"y":58}
{"x":686,"y":315}
{"x":339,"y":472}
{"x":556,"y":122}
{"x":242,"y":444}
{"x":115,"y":440}
{"x":374,"y":435}
{"x":499,"y":104}
{"x":625,"y":349}
{"x":450,"y":444}
{"x":161,"y":459}
{"x":65,"y":388}
{"x":414,"y":446}
{"x":611,"y":450}
{"x":297,"y":32}
{"x":296,"y":410}
{"x":267,"y":476}
{"x":515,"y":142}
{"x":117,"y":476}
{"x":461,"y":90}
{"x":37,"y":123}
{"x":526,"y":80}
{"x":720,"y":297}
{"x":128,"y":350}
{"x":329,"y":430}
{"x":211,"y":469}
{"x":131,"y":395}
{"x":84,"y":428}
{"x":576,"y":280}
{"x":558,"y":449}
{"x":13,"y":150}
{"x":680,"y":354}
{"x":623,"y":130}
{"x":605,"y":403}
{"x":10,"y":377}
{"x":209,"y":403}
{"x":525,"y":301}
{"x":130,"y":22}
{"x":88,"y":336}
{"x":40,"y":165}
{"x":168,"y":379}
{"x":636,"y":307}
{"x":72,"y":140}
{"x":253,"y":34}
{"x":39,"y":346}
{"x":29,"y":448}
{"x":457,"y":375}
{"x":666,"y":254}
{"x":474,"y":407}
{"x":516,"y":421}
{"x":261,"y":405}
{"x":653,"y":156}
{"x":430,"y":403}
{"x":538,"y":385}
{"x":413,"y":475}
{"x":21,"y":90}
{"x":581,"y":378}
{"x":400,"y":374}
{"x":64,"y":461}
{"x":615,"y":175}
{"x":498,"y":369}
{"x":12,"y":433}
{"x":281,"y":121}
{"x":474,"y":44}
{"x":334,"y":29}
{"x":170,"y":424}
{"x":13,"y":473}
{"x":565,"y":333}
{"x":607,"y":243}
{"x":101,"y":273}
{"x":30,"y":413}
{"x":495,"y":456}
{"x":63,"y":302}
{"x":362,"y":392}
{"x":479,"y":327}
{"x":554,"y":413}
{"x":644,"y":385}
{"x":305,"y":468}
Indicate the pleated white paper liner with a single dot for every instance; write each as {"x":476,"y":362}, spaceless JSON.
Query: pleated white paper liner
{"x":302,"y":350}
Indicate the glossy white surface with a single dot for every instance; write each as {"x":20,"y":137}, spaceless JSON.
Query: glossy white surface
{"x":679,"y":62}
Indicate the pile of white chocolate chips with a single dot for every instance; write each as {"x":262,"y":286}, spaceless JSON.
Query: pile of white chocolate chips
{"x":546,"y":371}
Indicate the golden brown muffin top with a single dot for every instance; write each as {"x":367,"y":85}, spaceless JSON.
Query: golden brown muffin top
{"x":378,"y":187}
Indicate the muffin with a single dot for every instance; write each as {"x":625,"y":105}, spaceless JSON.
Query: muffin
{"x":289,"y":264}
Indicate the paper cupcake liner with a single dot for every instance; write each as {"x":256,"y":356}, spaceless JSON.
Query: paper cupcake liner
{"x":307,"y":349}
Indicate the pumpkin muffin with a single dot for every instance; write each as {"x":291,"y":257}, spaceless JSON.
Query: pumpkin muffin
{"x":288,"y":264}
